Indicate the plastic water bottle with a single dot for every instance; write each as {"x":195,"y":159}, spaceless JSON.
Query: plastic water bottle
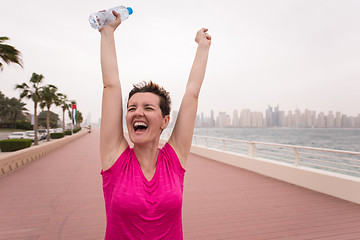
{"x":100,"y":19}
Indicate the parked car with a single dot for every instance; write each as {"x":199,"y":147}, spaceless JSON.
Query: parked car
{"x":58,"y":130}
{"x":17,"y":135}
{"x":42,"y":133}
{"x":31,"y":135}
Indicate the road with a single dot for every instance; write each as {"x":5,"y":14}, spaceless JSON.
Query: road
{"x":4,"y":135}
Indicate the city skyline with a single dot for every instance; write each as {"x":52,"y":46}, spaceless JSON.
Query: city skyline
{"x":275,"y":117}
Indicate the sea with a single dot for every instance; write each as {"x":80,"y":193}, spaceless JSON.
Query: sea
{"x":330,"y":138}
{"x":325,"y":138}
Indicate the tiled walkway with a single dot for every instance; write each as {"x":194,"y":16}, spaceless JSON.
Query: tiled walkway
{"x":60,"y":197}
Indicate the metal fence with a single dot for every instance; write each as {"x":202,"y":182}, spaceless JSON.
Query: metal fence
{"x":344,"y":162}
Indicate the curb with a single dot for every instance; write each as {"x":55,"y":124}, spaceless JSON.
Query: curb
{"x":9,"y":162}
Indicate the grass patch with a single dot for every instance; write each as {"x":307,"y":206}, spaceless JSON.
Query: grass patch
{"x":11,"y":130}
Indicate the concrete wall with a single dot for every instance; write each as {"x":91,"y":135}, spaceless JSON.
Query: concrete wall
{"x":11,"y":161}
{"x":337,"y":185}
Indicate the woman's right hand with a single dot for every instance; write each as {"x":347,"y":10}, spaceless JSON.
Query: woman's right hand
{"x":111,"y":26}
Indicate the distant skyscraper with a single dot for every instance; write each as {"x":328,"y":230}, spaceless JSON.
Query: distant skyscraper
{"x":321,"y":120}
{"x":235,"y":119}
{"x":297,"y":118}
{"x":338,"y":120}
{"x":269,"y":117}
{"x":330,"y":123}
{"x":223,"y":120}
{"x":212,"y":117}
{"x":283,"y":119}
{"x":273,"y":118}
{"x":290,"y":120}
{"x":245,"y":118}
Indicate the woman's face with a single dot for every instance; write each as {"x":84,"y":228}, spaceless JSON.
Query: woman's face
{"x":144,"y":119}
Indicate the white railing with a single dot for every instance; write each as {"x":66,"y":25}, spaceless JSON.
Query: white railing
{"x":345,"y":162}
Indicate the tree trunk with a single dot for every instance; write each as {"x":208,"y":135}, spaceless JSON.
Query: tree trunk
{"x":15,"y":116}
{"x":35,"y":124}
{"x":48,"y":123}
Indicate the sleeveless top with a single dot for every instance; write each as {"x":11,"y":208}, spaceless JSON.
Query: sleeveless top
{"x":140,"y":209}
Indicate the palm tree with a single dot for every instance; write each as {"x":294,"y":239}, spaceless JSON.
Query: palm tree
{"x":79,"y":118}
{"x":65,"y":105}
{"x":8,"y":54}
{"x":32,"y":93}
{"x":49,"y":96}
{"x":4,"y":107}
{"x":16,"y":109}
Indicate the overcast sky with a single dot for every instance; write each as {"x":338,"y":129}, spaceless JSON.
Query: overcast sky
{"x":295,"y":54}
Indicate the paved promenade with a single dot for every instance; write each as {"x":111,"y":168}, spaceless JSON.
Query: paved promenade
{"x":60,"y":197}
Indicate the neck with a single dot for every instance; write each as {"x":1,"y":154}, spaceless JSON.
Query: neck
{"x":147,"y":155}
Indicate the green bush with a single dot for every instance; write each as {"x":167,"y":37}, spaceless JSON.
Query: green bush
{"x":56,"y":135}
{"x":75,"y":130}
{"x":11,"y":145}
{"x":7,"y":125}
{"x":24,"y":125}
{"x":68,"y":132}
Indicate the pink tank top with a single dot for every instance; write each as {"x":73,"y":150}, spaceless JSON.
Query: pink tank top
{"x":140,"y":209}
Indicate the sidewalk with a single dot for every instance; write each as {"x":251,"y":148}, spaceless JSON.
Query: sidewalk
{"x":60,"y":197}
{"x":56,"y":197}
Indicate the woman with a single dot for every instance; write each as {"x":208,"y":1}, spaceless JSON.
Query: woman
{"x":143,"y":185}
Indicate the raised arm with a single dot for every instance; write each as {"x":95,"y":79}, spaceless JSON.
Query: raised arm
{"x":181,"y":136}
{"x":112,"y":141}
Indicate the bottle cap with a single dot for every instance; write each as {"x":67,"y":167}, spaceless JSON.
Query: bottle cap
{"x":130,"y":10}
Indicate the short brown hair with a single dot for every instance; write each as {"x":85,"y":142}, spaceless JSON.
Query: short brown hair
{"x":165,"y":101}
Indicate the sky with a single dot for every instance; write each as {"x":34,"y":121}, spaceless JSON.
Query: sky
{"x":292,"y":53}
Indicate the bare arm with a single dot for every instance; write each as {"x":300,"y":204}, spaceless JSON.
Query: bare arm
{"x":182,"y":134}
{"x":112,"y":141}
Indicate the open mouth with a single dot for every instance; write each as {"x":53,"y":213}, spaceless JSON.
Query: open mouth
{"x":140,"y":126}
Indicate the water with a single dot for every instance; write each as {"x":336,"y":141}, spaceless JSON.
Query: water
{"x":337,"y":139}
{"x":101,"y":18}
{"x":331,"y":138}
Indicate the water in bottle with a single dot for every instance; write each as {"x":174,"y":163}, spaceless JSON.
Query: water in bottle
{"x":100,"y":19}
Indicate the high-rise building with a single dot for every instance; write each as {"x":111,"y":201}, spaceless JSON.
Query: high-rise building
{"x":212,"y":117}
{"x":273,"y":118}
{"x":321,"y":122}
{"x":245,"y":118}
{"x":235,"y":119}
{"x":257,"y":120}
{"x":330,"y":122}
{"x":290,"y":121}
{"x":223,"y":120}
{"x":313,"y":118}
{"x":277,"y":117}
{"x":308,"y":119}
{"x":283,"y":119}
{"x":269,"y":117}
{"x":338,"y":120}
{"x":297,"y":118}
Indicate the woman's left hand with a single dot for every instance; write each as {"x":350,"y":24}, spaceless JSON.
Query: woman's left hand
{"x":202,"y":37}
